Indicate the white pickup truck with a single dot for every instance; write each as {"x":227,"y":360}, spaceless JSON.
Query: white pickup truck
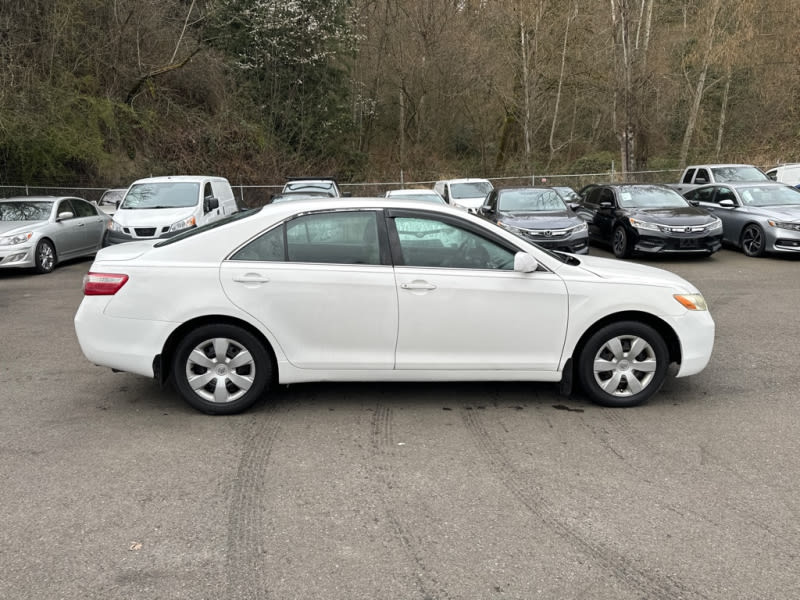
{"x":702,"y":174}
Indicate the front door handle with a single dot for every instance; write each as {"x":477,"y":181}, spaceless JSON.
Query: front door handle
{"x":251,"y":278}
{"x":418,"y":285}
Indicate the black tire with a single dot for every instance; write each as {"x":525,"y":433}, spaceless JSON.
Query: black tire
{"x":45,"y":257}
{"x":620,"y":243}
{"x":752,"y":241}
{"x":212,"y":385}
{"x":606,"y":359}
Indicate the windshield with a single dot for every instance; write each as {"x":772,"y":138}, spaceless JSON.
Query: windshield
{"x":25,"y":211}
{"x":647,"y":196}
{"x":163,"y":194}
{"x":326,"y":187}
{"x":473,"y":189}
{"x":772,"y":195}
{"x":111,"y":197}
{"x":187,"y":233}
{"x":738,"y":173}
{"x":529,"y":200}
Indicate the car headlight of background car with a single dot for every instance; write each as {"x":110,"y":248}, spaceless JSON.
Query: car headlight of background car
{"x":579,"y":228}
{"x":784,"y":225}
{"x":643,"y":225}
{"x":182,"y":224}
{"x":114,"y":226}
{"x":17,"y":238}
{"x":715,"y":226}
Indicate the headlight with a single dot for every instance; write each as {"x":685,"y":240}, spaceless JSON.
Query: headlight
{"x":17,"y":238}
{"x":692,"y":301}
{"x":579,"y":228}
{"x":114,"y":226}
{"x":715,"y":226}
{"x":182,"y":224}
{"x":784,"y":225}
{"x":643,"y":224}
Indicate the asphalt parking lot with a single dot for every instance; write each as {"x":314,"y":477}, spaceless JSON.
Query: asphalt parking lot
{"x":113,"y":488}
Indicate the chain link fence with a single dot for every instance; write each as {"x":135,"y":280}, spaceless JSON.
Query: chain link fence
{"x":252,"y":196}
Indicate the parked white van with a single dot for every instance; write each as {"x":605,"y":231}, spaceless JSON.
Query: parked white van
{"x":788,"y":173}
{"x":464,"y":193}
{"x":163,"y":206}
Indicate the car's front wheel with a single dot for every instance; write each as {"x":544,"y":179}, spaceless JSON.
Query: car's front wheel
{"x":623,"y":364}
{"x":45,"y":257}
{"x":221,"y":369}
{"x":753,"y":243}
{"x":620,"y":243}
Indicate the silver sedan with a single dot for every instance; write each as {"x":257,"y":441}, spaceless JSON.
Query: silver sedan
{"x":40,"y":231}
{"x":758,"y":217}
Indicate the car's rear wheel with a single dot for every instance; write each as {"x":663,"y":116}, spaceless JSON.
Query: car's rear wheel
{"x":753,"y":243}
{"x":620,"y":243}
{"x":45,"y":256}
{"x":221,"y":369}
{"x":623,"y":364}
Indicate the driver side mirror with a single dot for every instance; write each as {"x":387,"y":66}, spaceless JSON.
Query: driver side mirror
{"x":525,"y":263}
{"x":210,"y":203}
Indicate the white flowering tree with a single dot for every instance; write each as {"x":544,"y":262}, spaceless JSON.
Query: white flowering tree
{"x":293,"y":55}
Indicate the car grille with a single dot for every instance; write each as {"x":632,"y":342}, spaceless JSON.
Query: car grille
{"x":546,"y":234}
{"x":145,"y":231}
{"x":686,"y":228}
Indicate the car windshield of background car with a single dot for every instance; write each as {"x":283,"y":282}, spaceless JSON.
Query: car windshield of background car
{"x":731,"y":174}
{"x":306,"y":186}
{"x":770,"y":196}
{"x":25,"y":211}
{"x":161,"y":195}
{"x":567,"y":193}
{"x":529,"y":200}
{"x":650,"y":197}
{"x":111,"y":197}
{"x":474,"y":189}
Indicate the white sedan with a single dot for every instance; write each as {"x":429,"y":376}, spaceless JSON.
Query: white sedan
{"x":382,"y":290}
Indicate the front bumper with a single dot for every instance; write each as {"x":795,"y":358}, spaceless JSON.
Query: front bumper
{"x":689,"y":243}
{"x":20,"y":256}
{"x":132,"y":234}
{"x":781,"y":240}
{"x":695,"y":332}
{"x":574,"y":243}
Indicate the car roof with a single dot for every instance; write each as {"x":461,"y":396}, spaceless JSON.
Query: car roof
{"x":38,"y":198}
{"x":179,"y":179}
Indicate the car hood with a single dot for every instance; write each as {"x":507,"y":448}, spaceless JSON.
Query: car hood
{"x":12,"y":227}
{"x":684,"y":215}
{"x":152,"y":217}
{"x":630,"y":272}
{"x":476,"y":202}
{"x":540,"y":220}
{"x":782,"y":213}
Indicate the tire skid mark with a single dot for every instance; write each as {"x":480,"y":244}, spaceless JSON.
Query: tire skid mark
{"x":736,"y":510}
{"x":246,"y":529}
{"x":652,"y":585}
{"x":383,"y":446}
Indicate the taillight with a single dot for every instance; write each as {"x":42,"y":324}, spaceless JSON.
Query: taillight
{"x":103,"y":284}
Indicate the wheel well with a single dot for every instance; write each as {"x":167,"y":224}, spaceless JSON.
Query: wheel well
{"x":670,"y":338}
{"x":52,"y":243}
{"x":162,"y":364}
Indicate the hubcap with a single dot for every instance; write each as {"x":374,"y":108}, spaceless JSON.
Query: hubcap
{"x":46,"y":258}
{"x":220,"y":370}
{"x":619,"y":241}
{"x":624,"y":365}
{"x":752,"y":241}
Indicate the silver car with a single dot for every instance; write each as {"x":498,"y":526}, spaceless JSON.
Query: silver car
{"x":40,"y":231}
{"x":758,"y":217}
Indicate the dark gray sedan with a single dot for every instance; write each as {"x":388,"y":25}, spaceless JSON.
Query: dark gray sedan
{"x":40,"y":231}
{"x":538,"y":215}
{"x":758,"y":217}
